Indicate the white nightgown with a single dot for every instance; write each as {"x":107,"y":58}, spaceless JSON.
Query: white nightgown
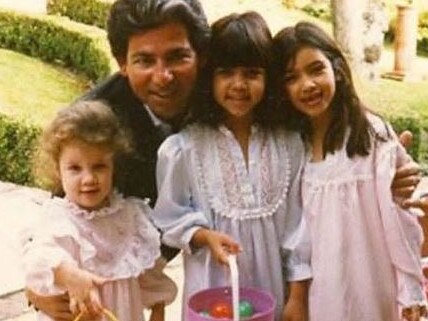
{"x":203,"y":181}
{"x":117,"y":242}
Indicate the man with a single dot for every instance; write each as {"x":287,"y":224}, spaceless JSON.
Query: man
{"x":159,"y":46}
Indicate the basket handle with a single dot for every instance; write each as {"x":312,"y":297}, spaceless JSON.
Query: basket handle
{"x":108,"y":313}
{"x":234,"y":276}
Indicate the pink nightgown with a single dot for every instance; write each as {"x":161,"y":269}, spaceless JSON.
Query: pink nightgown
{"x":365,"y":249}
{"x":117,"y":242}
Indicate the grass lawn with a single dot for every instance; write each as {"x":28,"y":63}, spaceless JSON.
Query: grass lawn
{"x":33,"y":90}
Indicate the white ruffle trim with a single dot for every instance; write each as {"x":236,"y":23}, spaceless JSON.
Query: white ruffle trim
{"x":218,"y":188}
{"x":124,"y":244}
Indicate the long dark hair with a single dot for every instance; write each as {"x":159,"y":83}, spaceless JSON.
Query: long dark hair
{"x":347,"y":109}
{"x":236,"y":40}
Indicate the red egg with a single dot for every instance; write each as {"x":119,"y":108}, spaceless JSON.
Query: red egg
{"x":221,"y":310}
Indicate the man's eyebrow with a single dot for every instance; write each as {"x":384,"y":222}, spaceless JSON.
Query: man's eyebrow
{"x":141,"y":53}
{"x":315,"y":63}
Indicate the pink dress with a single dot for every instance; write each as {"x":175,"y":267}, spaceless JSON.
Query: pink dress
{"x":365,"y":252}
{"x":117,"y":242}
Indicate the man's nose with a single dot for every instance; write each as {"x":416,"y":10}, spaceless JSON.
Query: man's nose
{"x":162,"y":74}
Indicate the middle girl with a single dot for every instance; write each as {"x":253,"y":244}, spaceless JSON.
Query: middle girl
{"x":230,"y":181}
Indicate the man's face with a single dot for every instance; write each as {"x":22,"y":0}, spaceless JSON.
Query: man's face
{"x":162,"y":67}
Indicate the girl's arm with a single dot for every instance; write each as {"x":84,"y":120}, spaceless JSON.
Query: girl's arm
{"x":296,"y":243}
{"x":296,"y":307}
{"x":403,"y":235}
{"x":176,"y":212}
{"x":42,"y":253}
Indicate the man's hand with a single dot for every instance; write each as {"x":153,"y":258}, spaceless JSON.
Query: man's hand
{"x":158,"y":312}
{"x":82,"y":287}
{"x":56,"y":307}
{"x":414,"y":313}
{"x":406,"y":139}
{"x":408,"y":176}
{"x":420,"y":202}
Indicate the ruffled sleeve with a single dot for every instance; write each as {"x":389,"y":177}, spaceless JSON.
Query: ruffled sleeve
{"x":42,"y":251}
{"x":174,"y":212}
{"x":156,"y":286}
{"x":296,"y":246}
{"x":403,"y":233}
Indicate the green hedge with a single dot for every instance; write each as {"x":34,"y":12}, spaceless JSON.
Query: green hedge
{"x":91,"y":12}
{"x":17,"y":142}
{"x":58,"y":40}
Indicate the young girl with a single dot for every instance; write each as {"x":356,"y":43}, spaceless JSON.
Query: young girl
{"x":365,"y":249}
{"x":93,"y":243}
{"x":230,"y":183}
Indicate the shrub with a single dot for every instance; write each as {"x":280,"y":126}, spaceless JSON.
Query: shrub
{"x":91,"y":12}
{"x":17,"y":143}
{"x":319,"y":10}
{"x":59,"y":40}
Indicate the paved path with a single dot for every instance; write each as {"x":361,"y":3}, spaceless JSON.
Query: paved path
{"x":18,"y":205}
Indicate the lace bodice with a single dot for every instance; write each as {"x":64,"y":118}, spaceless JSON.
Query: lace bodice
{"x":225,"y":179}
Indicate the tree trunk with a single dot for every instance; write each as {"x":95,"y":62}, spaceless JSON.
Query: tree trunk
{"x":359,"y":27}
{"x":348,"y":29}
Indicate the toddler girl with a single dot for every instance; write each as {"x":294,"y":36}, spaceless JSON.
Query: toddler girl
{"x":91,"y":241}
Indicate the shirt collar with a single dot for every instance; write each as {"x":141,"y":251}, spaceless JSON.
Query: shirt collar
{"x":160,"y":124}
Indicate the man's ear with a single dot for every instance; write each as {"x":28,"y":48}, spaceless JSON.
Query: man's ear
{"x":122,"y":66}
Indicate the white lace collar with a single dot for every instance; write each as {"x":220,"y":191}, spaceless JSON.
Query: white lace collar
{"x":116,"y":202}
{"x":224,"y":178}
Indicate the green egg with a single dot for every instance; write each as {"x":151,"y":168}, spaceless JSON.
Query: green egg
{"x":246,"y":309}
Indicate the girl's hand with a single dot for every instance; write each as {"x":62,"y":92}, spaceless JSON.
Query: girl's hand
{"x":82,"y":286}
{"x":294,"y":310}
{"x":220,"y":244}
{"x":414,"y":312}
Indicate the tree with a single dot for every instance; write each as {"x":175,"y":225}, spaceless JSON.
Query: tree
{"x":358,"y":27}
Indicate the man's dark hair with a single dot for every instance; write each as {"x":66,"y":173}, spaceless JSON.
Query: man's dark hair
{"x":130,"y":17}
